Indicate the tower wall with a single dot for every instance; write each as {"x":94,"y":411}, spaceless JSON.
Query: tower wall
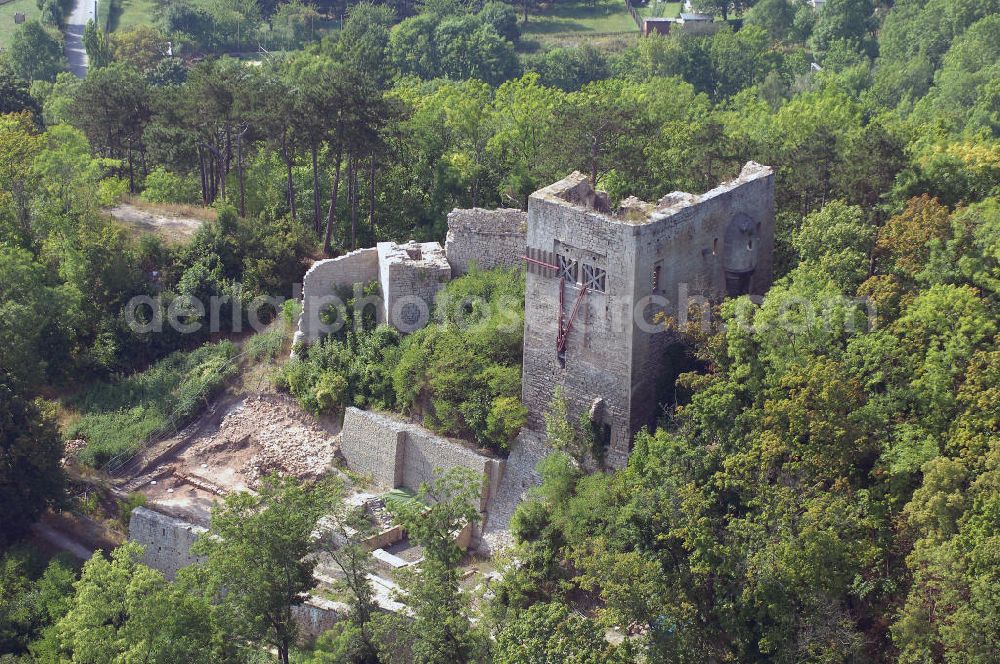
{"x":656,"y":257}
{"x":597,"y":362}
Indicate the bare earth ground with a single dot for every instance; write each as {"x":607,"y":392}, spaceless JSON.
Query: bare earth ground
{"x":171,"y":222}
{"x":230,"y":449}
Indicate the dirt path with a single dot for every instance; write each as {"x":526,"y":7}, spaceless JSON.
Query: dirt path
{"x":165,"y":224}
{"x":61,"y":540}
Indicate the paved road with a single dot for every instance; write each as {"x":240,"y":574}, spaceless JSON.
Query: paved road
{"x":83,"y":11}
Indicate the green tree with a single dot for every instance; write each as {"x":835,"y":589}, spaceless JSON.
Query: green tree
{"x":100,"y":51}
{"x":554,"y":633}
{"x":850,"y":20}
{"x":31,"y":477}
{"x":258,"y":560}
{"x":775,"y":16}
{"x":36,"y":53}
{"x":723,"y":7}
{"x":112,"y":108}
{"x":14,"y":96}
{"x":124,"y":611}
{"x":439,"y":630}
{"x":839,"y":242}
{"x":31,"y":599}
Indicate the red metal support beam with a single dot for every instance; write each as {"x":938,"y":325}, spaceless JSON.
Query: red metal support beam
{"x":564,"y":331}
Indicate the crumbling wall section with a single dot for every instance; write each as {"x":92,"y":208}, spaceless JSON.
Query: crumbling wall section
{"x":410,"y":276}
{"x":167,"y":540}
{"x":489,"y":238}
{"x":322,"y":282}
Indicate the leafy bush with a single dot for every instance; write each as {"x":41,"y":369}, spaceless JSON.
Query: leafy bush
{"x":162,"y":186}
{"x":264,"y":347}
{"x":461,"y":375}
{"x":354,"y":370}
{"x":120,"y":416}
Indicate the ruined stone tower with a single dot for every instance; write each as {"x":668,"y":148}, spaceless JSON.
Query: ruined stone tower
{"x":597,"y":278}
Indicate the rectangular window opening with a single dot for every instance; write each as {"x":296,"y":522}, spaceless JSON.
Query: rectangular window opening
{"x":567,"y":269}
{"x":594,"y":278}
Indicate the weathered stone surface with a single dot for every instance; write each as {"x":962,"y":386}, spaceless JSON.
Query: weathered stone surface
{"x":410,"y":276}
{"x":395,"y":453}
{"x":167,"y":540}
{"x":489,"y":239}
{"x":373,"y":445}
{"x":652,"y":258}
{"x":323,"y":281}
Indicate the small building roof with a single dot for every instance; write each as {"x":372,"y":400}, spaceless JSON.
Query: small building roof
{"x":658,"y":19}
{"x":695,"y":17}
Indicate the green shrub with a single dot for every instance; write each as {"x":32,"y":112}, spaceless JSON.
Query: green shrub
{"x":162,"y":186}
{"x":460,"y":375}
{"x":330,"y":391}
{"x":264,"y":347}
{"x":134,"y":500}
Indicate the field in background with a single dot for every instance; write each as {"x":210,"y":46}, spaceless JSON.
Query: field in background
{"x":660,"y":9}
{"x":599,"y":17}
{"x":7,"y":11}
{"x":130,"y":13}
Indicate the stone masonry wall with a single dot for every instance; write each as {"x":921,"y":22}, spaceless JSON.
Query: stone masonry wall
{"x":653,"y":257}
{"x":396,"y":453}
{"x":167,"y":540}
{"x":324,"y":279}
{"x":489,"y":238}
{"x":597,"y":361}
{"x":373,"y":445}
{"x":691,"y":243}
{"x":410,"y":276}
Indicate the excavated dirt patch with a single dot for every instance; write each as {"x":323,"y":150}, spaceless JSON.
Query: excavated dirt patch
{"x":232,"y":450}
{"x":259,"y":435}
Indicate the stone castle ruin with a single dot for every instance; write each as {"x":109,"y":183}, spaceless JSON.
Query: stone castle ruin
{"x":600,"y":284}
{"x":410,"y":275}
{"x":596,"y":280}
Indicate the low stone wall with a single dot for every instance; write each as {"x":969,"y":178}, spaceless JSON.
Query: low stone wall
{"x":167,"y":540}
{"x":316,"y":615}
{"x":489,"y":238}
{"x":324,"y":279}
{"x":395,"y":453}
{"x":373,"y":445}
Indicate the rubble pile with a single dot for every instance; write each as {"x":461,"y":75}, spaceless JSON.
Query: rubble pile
{"x":276,"y":434}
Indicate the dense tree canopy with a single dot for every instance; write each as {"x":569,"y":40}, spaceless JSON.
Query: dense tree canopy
{"x":823,"y":485}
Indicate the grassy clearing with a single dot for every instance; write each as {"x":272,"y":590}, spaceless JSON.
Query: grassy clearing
{"x":174,"y":209}
{"x":118,"y":417}
{"x":130,"y":13}
{"x":660,"y":9}
{"x":28,"y":7}
{"x":601,"y":16}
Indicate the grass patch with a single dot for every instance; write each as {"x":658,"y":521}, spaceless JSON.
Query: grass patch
{"x":660,"y":10}
{"x":27,"y":7}
{"x":130,"y":13}
{"x":118,"y":417}
{"x":583,"y":17}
